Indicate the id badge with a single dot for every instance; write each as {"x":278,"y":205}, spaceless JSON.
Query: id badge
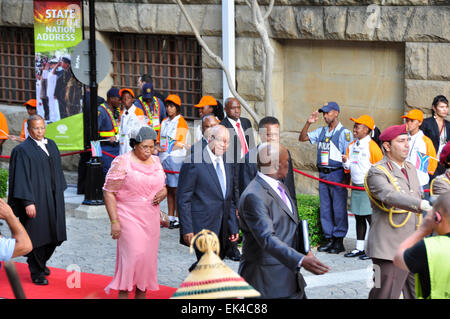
{"x":324,"y":158}
{"x":355,"y":155}
{"x":155,"y":121}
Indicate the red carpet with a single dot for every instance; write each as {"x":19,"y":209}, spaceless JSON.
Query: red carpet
{"x":91,"y":286}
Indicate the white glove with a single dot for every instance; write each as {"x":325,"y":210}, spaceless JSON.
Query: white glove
{"x":425,"y":205}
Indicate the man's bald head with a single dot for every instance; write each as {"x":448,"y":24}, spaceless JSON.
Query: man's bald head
{"x":442,"y":205}
{"x":273,"y":160}
{"x":208,"y":121}
{"x":218,"y":139}
{"x":233,"y":108}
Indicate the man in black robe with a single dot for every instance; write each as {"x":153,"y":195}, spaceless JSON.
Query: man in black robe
{"x":36,"y":195}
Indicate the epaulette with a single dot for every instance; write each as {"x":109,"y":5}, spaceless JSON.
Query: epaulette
{"x":389,"y":165}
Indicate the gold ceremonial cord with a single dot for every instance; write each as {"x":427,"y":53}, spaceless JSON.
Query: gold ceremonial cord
{"x":432,"y":182}
{"x":391,"y":210}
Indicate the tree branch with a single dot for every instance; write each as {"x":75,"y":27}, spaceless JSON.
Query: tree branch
{"x":269,"y":60}
{"x":218,"y":61}
{"x":269,"y":10}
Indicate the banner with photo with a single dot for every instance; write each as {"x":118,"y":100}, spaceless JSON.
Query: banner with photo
{"x":57,"y":30}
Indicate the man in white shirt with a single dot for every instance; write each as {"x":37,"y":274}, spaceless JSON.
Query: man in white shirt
{"x":205,"y":192}
{"x":20,"y":243}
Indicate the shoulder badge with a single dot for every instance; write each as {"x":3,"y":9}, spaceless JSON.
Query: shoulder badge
{"x":407,"y":165}
{"x":98,"y":113}
{"x":389,"y":165}
{"x":347,"y":136}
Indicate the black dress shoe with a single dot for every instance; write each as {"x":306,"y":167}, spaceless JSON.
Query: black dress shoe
{"x":47,"y":271}
{"x":41,"y":281}
{"x":337,"y":247}
{"x":327,"y":246}
{"x":364,"y":257}
{"x":234,"y":258}
{"x":355,"y":253}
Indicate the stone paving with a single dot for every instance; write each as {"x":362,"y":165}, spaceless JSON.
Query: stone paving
{"x":90,"y":247}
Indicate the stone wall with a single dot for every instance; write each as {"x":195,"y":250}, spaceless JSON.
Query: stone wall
{"x":420,"y":25}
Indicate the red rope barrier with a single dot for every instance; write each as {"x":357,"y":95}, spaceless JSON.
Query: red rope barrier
{"x":329,"y":182}
{"x":336,"y":184}
{"x":175,"y":172}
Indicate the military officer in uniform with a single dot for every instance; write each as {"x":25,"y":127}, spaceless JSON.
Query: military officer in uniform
{"x":108,"y":127}
{"x":153,"y":107}
{"x":396,"y":198}
{"x":441,"y":184}
{"x":332,"y":142}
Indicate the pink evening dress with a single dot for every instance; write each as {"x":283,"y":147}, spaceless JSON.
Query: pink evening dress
{"x":135,"y":186}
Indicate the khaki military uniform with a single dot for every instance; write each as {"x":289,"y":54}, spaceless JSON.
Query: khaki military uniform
{"x":388,"y":230}
{"x":441,"y":184}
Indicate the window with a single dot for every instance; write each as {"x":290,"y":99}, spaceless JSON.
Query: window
{"x":17,"y":69}
{"x":174,"y":62}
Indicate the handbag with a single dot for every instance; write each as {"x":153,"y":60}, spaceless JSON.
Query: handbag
{"x":164,"y":219}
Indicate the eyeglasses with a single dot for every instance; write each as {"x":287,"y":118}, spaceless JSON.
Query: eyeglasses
{"x":146,"y":148}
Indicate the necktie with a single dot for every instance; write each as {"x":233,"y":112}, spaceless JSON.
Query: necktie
{"x":404,"y":173}
{"x":283,"y":194}
{"x":220,"y":176}
{"x":242,"y":139}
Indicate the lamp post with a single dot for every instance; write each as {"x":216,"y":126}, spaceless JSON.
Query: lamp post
{"x":94,"y":175}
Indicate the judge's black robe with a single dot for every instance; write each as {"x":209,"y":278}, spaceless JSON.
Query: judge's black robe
{"x":35,"y":178}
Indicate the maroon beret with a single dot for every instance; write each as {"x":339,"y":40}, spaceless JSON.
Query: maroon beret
{"x":392,"y":132}
{"x":445,"y":152}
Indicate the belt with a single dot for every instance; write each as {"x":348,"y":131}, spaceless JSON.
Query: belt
{"x":328,"y":170}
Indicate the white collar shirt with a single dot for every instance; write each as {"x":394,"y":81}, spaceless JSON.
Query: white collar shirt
{"x":273,"y":183}
{"x":42,"y":144}
{"x":358,"y":159}
{"x":214,"y":160}
{"x":236,"y":129}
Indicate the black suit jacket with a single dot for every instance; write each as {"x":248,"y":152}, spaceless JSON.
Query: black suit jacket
{"x":271,"y":241}
{"x":235,"y":147}
{"x":248,"y":169}
{"x":430,"y":128}
{"x":200,"y":202}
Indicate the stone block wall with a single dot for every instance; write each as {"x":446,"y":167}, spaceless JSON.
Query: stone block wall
{"x":421,"y":25}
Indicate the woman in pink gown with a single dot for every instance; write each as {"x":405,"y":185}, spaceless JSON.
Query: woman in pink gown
{"x":133,"y":190}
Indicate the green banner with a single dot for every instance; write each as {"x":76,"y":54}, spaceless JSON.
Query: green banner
{"x":57,"y":30}
{"x":67,"y":133}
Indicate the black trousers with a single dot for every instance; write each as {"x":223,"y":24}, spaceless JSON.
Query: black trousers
{"x":38,"y":258}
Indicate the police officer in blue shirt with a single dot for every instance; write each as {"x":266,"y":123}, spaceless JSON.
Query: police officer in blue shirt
{"x":108,"y":127}
{"x":332,"y":141}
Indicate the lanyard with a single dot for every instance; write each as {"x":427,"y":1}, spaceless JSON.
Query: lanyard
{"x":111,"y":117}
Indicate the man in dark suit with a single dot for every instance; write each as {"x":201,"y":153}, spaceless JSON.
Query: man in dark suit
{"x":269,"y":132}
{"x":242,"y":140}
{"x":271,"y":256}
{"x":240,"y":130}
{"x":205,"y":193}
